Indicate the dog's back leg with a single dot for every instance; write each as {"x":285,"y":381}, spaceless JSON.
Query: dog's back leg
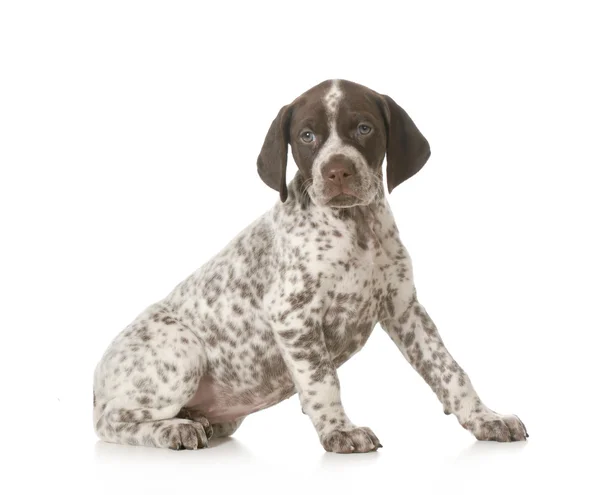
{"x":144,"y":379}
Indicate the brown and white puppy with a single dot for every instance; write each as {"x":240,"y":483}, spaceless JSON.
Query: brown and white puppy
{"x":293,"y":296}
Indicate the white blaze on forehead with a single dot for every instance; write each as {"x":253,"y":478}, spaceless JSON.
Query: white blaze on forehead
{"x":332,"y":100}
{"x":332,"y":104}
{"x":333,"y":145}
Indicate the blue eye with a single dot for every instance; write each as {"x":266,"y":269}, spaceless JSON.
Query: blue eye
{"x":364,"y":129}
{"x":307,"y":136}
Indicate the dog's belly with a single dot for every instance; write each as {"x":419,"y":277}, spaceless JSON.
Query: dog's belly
{"x":222,"y":403}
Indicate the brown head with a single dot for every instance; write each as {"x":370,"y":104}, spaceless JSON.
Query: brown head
{"x":340,"y":133}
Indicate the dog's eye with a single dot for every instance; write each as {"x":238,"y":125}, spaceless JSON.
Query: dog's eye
{"x":307,"y":136}
{"x":364,"y":129}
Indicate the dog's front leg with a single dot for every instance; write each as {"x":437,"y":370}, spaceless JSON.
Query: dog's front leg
{"x":417,"y":337}
{"x":303,"y":348}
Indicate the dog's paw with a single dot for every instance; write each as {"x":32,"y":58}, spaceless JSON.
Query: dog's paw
{"x":198,"y":418}
{"x":180,"y":434}
{"x":496,"y":427}
{"x":359,"y":439}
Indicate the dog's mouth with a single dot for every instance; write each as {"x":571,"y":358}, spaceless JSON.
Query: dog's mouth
{"x":344,"y":200}
{"x":346,"y":195}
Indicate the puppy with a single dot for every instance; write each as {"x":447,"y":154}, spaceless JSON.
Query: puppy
{"x":293,"y":296}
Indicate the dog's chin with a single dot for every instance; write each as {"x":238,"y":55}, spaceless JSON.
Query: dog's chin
{"x":344,"y":200}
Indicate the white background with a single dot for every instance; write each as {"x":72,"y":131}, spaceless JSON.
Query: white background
{"x":128,"y":138}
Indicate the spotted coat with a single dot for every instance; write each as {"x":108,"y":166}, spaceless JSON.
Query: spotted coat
{"x":293,"y":296}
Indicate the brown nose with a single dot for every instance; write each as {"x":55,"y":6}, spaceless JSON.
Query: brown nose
{"x":338,"y":170}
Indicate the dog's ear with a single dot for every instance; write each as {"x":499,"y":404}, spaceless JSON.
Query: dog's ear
{"x":407,"y":149}
{"x":272,"y":160}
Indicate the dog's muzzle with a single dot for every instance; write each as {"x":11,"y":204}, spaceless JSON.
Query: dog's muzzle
{"x":339,"y":177}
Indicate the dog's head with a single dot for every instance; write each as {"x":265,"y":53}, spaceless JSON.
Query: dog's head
{"x":340,"y":133}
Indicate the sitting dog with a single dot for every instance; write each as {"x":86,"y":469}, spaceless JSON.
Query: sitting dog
{"x":293,"y":296}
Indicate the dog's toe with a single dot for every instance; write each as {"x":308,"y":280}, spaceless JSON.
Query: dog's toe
{"x":355,"y":440}
{"x":491,"y":426}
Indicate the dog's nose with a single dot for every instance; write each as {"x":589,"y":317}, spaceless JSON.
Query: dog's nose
{"x":338,"y":171}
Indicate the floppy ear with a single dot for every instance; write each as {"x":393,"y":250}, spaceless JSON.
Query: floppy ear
{"x":272,"y":160}
{"x":407,"y":149}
